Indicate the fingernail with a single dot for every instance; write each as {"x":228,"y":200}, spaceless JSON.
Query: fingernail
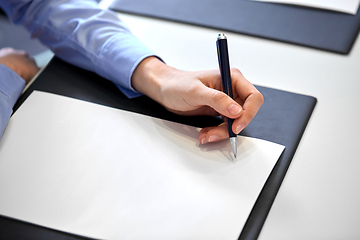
{"x":234,"y":109}
{"x":203,"y":140}
{"x":213,"y":138}
{"x":239,"y":128}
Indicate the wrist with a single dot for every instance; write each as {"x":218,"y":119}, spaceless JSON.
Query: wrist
{"x":148,"y":77}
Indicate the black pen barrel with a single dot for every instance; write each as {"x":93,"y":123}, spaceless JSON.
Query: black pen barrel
{"x":224,"y":65}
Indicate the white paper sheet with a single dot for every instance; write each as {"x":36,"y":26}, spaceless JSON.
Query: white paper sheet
{"x":346,"y":6}
{"x":105,"y":173}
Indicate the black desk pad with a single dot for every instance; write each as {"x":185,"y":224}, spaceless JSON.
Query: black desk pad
{"x":282,"y":119}
{"x":316,"y":28}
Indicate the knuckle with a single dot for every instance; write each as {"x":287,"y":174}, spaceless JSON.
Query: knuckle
{"x":259,"y":97}
{"x":218,"y":96}
{"x":235,"y":71}
{"x":255,"y":96}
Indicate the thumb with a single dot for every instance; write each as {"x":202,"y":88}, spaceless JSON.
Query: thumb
{"x":221,"y":103}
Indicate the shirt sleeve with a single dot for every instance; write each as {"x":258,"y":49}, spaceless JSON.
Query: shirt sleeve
{"x":81,"y":33}
{"x":11,"y":86}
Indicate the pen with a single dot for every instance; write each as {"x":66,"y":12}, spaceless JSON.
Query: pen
{"x":223,"y":57}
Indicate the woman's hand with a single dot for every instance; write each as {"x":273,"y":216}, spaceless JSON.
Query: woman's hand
{"x":199,"y":93}
{"x":20,"y":62}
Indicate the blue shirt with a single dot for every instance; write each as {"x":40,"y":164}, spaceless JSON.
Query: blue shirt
{"x":79,"y":32}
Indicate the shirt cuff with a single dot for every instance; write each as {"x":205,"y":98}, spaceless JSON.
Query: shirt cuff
{"x":118,"y":66}
{"x":11,"y":85}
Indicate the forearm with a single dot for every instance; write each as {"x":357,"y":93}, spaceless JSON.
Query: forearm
{"x":11,"y":86}
{"x":81,"y":33}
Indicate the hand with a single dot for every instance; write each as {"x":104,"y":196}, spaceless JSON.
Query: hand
{"x":199,"y":93}
{"x":20,"y":62}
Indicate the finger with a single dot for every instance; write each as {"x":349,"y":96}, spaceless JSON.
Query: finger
{"x":242,"y":88}
{"x":220,"y":102}
{"x":33,"y":62}
{"x":213,"y":134}
{"x":204,"y":110}
{"x":30,"y":69}
{"x":248,"y":96}
{"x":251,"y":106}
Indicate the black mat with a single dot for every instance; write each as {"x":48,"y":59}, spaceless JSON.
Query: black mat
{"x":316,"y":28}
{"x":282,"y":119}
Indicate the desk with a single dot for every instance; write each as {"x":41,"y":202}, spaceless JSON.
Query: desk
{"x":320,"y":196}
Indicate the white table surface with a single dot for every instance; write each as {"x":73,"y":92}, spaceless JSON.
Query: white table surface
{"x":320,"y":195}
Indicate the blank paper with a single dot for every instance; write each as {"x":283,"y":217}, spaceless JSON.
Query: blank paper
{"x":106,"y":173}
